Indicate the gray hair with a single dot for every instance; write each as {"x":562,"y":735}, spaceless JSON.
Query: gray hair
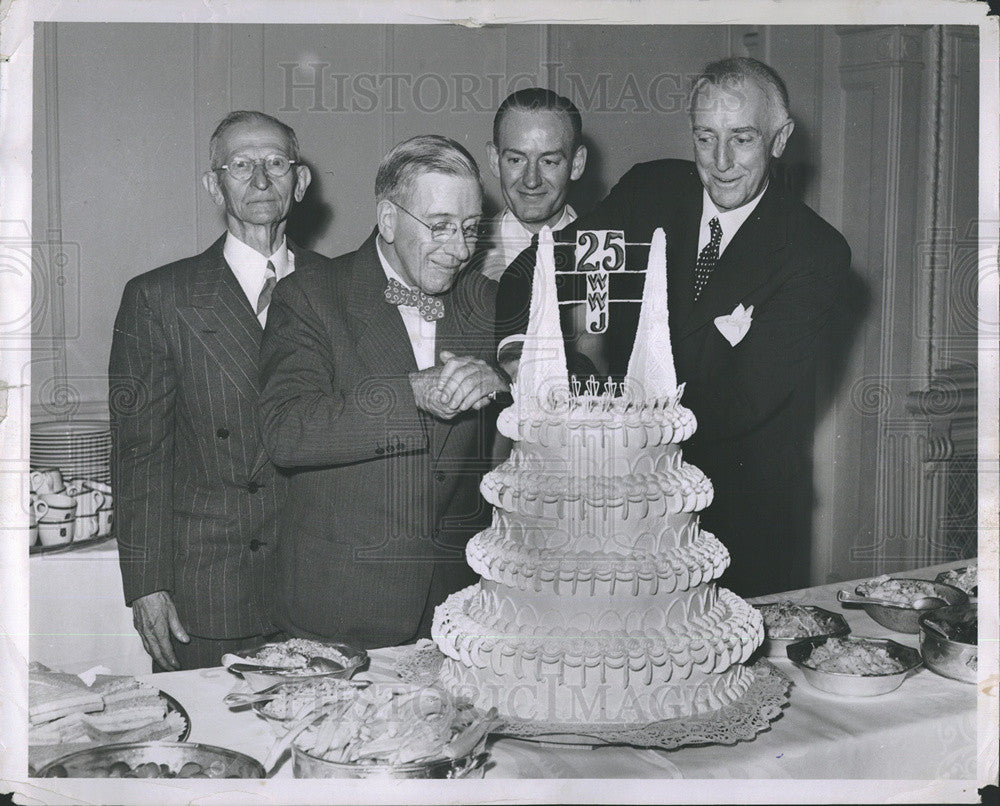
{"x":729,"y":73}
{"x":242,"y":116}
{"x":425,"y":153}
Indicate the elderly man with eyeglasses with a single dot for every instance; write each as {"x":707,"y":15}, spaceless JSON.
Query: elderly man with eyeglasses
{"x":197,"y":498}
{"x":376,"y":376}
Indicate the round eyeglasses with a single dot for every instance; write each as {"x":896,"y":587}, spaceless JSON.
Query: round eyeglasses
{"x":442,"y":231}
{"x":242,"y":168}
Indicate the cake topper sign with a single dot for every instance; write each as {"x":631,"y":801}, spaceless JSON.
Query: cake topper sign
{"x":597,"y":253}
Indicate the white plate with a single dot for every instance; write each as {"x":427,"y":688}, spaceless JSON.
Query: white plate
{"x":70,"y":426}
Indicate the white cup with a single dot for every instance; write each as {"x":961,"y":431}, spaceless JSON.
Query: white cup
{"x":54,"y":534}
{"x":75,"y":486}
{"x":54,"y":508}
{"x":33,"y":523}
{"x":105,"y":520}
{"x":88,"y":502}
{"x":86,"y":526}
{"x":97,"y":485}
{"x":47,"y":480}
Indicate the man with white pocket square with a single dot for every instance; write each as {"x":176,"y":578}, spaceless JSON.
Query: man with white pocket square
{"x":753,"y":275}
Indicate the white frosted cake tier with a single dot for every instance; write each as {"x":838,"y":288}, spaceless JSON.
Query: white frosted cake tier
{"x":598,"y":676}
{"x":596,"y":418}
{"x":574,"y":490}
{"x":576,"y":613}
{"x":598,"y":534}
{"x":649,"y":563}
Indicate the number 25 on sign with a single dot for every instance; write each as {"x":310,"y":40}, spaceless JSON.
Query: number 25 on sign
{"x":597,"y":253}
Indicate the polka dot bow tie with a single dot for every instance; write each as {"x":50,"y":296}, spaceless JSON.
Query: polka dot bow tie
{"x":431,"y":308}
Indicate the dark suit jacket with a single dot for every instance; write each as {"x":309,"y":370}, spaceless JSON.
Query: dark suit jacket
{"x":753,"y":401}
{"x":195,"y":493}
{"x":382,"y":497}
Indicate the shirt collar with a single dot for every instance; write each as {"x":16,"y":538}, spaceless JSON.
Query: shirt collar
{"x":512,"y":228}
{"x":245,"y":258}
{"x":730,"y":220}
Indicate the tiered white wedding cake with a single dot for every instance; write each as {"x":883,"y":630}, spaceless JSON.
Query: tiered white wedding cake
{"x":597,"y":602}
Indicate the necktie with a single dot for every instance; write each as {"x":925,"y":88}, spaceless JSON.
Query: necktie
{"x":431,"y":308}
{"x":264,"y":298}
{"x":707,"y":258}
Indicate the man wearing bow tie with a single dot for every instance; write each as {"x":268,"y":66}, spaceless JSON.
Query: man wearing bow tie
{"x":752,"y":278}
{"x":375,"y":371}
{"x":197,"y":498}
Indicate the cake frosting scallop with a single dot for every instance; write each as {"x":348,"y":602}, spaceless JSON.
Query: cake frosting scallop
{"x":598,"y":602}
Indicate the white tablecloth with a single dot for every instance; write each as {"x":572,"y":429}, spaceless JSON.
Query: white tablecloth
{"x":78,"y":617}
{"x":923,"y":731}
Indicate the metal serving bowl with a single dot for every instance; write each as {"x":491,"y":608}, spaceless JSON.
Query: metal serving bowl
{"x":854,"y":685}
{"x":948,"y":657}
{"x":95,"y":762}
{"x":258,"y":681}
{"x":945,"y":578}
{"x":776,"y":647}
{"x":469,"y":766}
{"x":905,"y":619}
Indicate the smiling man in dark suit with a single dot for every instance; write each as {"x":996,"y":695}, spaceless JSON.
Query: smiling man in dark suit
{"x":752,"y":278}
{"x":375,"y":371}
{"x":195,"y":493}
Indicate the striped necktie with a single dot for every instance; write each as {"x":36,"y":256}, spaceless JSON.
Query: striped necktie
{"x":264,"y":299}
{"x":707,"y":258}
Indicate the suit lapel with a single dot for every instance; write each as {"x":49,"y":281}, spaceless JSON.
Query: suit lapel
{"x":744,"y":266}
{"x":222,"y":319}
{"x":682,"y":254}
{"x":381,"y":335}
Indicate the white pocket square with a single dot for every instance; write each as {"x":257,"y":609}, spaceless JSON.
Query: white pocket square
{"x":735,"y":326}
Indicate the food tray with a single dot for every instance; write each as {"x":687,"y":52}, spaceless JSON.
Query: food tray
{"x":854,"y":685}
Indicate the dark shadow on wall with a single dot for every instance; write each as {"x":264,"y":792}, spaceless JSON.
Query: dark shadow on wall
{"x":312,"y":216}
{"x":589,"y":189}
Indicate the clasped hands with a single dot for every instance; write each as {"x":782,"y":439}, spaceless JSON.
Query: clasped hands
{"x":457,"y":384}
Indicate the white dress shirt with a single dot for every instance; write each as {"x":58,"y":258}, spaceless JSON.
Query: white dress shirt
{"x":250,"y":268}
{"x":421,"y":332}
{"x":512,"y":237}
{"x":730,"y":221}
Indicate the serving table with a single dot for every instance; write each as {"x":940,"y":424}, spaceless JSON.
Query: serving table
{"x":77,"y":612}
{"x":923,"y":731}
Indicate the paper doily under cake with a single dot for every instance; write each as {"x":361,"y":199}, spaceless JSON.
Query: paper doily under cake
{"x":740,"y":721}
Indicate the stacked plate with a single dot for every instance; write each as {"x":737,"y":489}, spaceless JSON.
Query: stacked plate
{"x":81,"y":449}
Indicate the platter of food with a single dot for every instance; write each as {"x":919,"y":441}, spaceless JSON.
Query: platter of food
{"x":965,"y":579}
{"x":394,"y":730}
{"x":786,"y":622}
{"x":292,"y":699}
{"x":900,"y":595}
{"x":154,"y":760}
{"x":852,"y":666}
{"x":113,"y":709}
{"x":295,"y":659}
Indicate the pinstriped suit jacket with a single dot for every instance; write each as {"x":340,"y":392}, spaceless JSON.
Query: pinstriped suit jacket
{"x":195,"y":494}
{"x":382,"y":497}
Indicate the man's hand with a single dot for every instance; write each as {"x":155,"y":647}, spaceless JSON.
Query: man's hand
{"x":459,"y":384}
{"x":469,"y":383}
{"x":155,"y":618}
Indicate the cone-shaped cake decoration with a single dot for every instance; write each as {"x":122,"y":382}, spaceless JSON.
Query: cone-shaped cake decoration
{"x":542,"y":370}
{"x":651,"y":372}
